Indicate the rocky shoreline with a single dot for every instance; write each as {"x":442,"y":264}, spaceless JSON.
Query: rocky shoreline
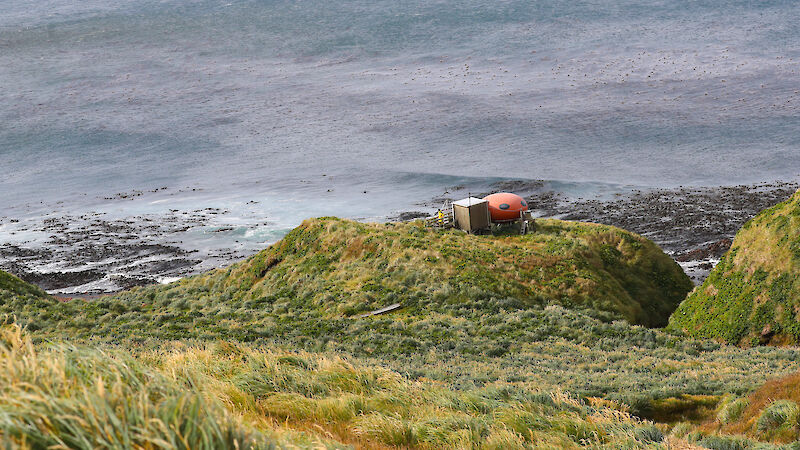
{"x":92,"y":254}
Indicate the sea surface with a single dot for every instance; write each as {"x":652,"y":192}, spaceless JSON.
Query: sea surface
{"x":273,"y":111}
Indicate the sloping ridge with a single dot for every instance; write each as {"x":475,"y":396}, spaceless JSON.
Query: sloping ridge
{"x":753,"y":295}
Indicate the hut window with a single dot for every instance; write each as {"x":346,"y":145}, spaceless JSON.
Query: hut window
{"x":505,"y":206}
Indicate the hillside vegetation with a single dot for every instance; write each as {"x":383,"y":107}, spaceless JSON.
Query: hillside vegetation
{"x":475,"y":302}
{"x":275,"y":351}
{"x":753,"y":295}
{"x":771,"y":413}
{"x":227,"y":395}
{"x":553,"y":348}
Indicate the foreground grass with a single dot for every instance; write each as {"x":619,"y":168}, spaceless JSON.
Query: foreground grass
{"x":232,"y":395}
{"x":227,"y":395}
{"x":487,"y":343}
{"x":770,"y":413}
{"x":69,"y":397}
{"x":765,"y":419}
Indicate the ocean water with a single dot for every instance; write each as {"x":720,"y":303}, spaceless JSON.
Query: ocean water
{"x":366,"y":108}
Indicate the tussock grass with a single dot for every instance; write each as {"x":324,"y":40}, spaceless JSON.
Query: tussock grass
{"x":536,"y":348}
{"x":779,"y":414}
{"x":731,"y":409}
{"x":771,"y":413}
{"x":227,"y":395}
{"x":71,"y":397}
{"x":766,"y":418}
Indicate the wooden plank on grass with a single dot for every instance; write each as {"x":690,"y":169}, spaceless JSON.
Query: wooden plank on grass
{"x":385,"y":310}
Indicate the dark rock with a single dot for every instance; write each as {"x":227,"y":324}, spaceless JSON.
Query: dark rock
{"x":61,"y":280}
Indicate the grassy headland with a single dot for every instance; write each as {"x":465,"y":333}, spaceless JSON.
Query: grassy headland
{"x":13,"y":286}
{"x":329,"y":270}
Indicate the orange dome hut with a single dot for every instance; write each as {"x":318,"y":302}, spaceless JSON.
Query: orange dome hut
{"x":505,"y":206}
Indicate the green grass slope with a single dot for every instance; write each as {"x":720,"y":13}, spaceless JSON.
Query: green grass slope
{"x":310,"y":288}
{"x":18,"y":298}
{"x":753,"y":295}
{"x":307,"y":292}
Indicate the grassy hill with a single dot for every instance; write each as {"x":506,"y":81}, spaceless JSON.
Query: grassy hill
{"x":21,"y":299}
{"x":274,"y":351}
{"x":753,"y":295}
{"x":542,"y":309}
{"x":312,"y":286}
{"x":342,"y":268}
